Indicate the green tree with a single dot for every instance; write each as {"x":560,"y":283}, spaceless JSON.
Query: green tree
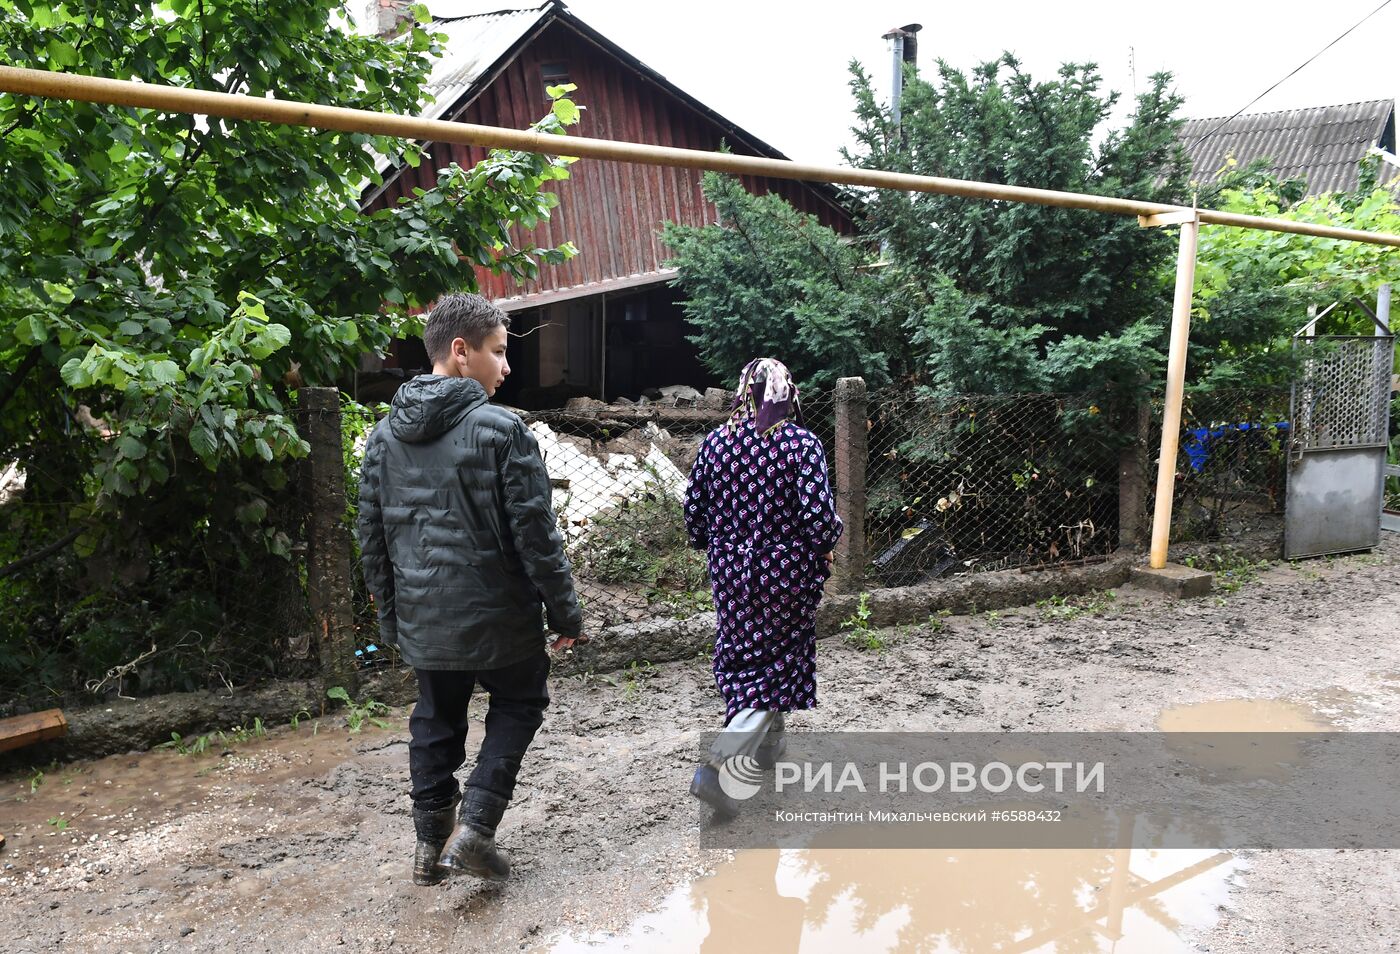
{"x":165,"y":279}
{"x":960,"y":295}
{"x":770,"y":280}
{"x":1253,"y":288}
{"x":1056,"y":298}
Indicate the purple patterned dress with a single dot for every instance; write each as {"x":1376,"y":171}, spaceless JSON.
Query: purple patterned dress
{"x":761,"y":506}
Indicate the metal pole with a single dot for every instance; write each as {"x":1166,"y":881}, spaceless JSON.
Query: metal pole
{"x":897,"y":79}
{"x":173,"y":99}
{"x":1176,"y":384}
{"x":603,"y":332}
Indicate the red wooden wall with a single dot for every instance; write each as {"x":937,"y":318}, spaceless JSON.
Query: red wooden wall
{"x":612,"y":211}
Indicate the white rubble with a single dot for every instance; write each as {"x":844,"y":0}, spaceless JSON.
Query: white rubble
{"x":594,"y":485}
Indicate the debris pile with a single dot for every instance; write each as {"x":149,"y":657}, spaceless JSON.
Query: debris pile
{"x":589,"y":483}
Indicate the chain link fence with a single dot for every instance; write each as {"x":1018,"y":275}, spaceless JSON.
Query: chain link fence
{"x":972,"y":483}
{"x":142,"y":616}
{"x":1231,"y":463}
{"x":952,"y":484}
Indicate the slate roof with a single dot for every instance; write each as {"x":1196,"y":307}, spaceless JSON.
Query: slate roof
{"x":1322,"y":144}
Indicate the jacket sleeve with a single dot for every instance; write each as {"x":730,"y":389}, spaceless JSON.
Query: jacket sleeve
{"x":535,"y":529}
{"x":697,"y":500}
{"x":374,"y":546}
{"x":816,"y":504}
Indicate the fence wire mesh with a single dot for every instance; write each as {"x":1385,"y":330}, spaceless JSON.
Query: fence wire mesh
{"x":962,"y":484}
{"x":140,"y":616}
{"x":953,"y":485}
{"x":1230,"y":468}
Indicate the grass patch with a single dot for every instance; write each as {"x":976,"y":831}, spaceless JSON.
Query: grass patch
{"x":1066,"y":608}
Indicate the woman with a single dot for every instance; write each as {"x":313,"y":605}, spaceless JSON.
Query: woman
{"x":760,"y":505}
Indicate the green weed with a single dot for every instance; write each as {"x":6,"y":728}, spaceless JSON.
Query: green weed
{"x":357,"y":714}
{"x":1066,"y":608}
{"x":632,"y":681}
{"x":200,"y":744}
{"x":857,"y":629}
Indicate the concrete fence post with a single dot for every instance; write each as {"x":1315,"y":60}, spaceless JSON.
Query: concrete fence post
{"x":848,"y":575}
{"x":328,"y":580}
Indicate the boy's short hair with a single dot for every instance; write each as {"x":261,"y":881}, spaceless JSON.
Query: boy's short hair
{"x":469,"y":317}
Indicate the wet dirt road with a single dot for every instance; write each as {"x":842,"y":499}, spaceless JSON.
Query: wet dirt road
{"x":301,"y":841}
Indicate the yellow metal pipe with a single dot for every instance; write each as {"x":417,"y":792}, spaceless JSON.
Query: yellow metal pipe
{"x":233,"y":106}
{"x":1176,"y":385}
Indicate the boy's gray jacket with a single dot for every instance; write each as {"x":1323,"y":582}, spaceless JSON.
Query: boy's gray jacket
{"x":457,"y":533}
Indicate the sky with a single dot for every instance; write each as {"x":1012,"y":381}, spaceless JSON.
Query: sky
{"x":779,"y":69}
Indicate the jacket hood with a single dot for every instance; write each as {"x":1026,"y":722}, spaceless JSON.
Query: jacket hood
{"x":427,"y":406}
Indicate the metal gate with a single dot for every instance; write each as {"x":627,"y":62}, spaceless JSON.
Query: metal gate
{"x":1340,"y":421}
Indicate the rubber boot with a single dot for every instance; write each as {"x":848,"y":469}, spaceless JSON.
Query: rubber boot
{"x":705,"y":786}
{"x":771,"y":750}
{"x":433,"y":828}
{"x":471,"y":849}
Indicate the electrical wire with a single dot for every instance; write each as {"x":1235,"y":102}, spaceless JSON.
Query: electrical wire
{"x":1216,"y":128}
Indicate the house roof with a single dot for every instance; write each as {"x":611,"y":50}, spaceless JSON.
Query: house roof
{"x":1322,"y":144}
{"x":483,"y":36}
{"x":479,"y":35}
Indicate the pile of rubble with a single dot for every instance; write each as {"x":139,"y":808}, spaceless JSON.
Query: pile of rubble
{"x":588,"y":482}
{"x":675,"y":396}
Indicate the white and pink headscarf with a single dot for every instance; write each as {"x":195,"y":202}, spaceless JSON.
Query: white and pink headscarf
{"x":767,"y":394}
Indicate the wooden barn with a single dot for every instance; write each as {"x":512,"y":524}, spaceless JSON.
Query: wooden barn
{"x":608,"y":322}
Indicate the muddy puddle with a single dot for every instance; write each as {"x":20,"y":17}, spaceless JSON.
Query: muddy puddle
{"x":54,"y":806}
{"x":1243,"y":715}
{"x":972,"y":901}
{"x":846,"y":900}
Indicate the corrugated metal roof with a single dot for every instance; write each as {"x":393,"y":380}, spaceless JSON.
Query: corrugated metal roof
{"x":478,"y":34}
{"x":1322,"y":144}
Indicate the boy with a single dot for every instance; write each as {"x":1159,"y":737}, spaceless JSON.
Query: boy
{"x":460,"y":547}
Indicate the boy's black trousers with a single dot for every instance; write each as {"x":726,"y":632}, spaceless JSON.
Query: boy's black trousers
{"x":438,"y":728}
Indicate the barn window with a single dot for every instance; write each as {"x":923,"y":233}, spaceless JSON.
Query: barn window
{"x":553,"y":74}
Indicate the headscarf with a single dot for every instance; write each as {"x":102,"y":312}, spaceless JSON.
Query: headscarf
{"x":767,"y":394}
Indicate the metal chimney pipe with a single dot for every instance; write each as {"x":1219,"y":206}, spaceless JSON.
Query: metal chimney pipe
{"x":911,"y":42}
{"x":896,"y":38}
{"x":904,"y":48}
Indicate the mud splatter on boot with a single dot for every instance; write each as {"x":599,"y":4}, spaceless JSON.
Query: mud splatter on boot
{"x":433,"y":829}
{"x":472,"y":847}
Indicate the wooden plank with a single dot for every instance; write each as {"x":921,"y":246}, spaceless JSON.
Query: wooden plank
{"x":18,"y":731}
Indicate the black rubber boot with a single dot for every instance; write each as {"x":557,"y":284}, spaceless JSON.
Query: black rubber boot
{"x":705,"y":786}
{"x":433,"y":828}
{"x":472,"y":847}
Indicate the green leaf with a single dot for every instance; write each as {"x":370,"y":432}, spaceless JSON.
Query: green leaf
{"x":129,"y":447}
{"x":165,"y":372}
{"x":31,"y":330}
{"x":270,"y":339}
{"x":254,"y":511}
{"x":203,"y":442}
{"x":566,"y":111}
{"x":75,"y":374}
{"x":58,"y":294}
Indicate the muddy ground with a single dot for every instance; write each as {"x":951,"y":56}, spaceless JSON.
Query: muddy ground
{"x":301,"y":841}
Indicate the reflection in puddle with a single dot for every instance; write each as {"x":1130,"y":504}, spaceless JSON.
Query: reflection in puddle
{"x":941,"y":902}
{"x":870,"y":900}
